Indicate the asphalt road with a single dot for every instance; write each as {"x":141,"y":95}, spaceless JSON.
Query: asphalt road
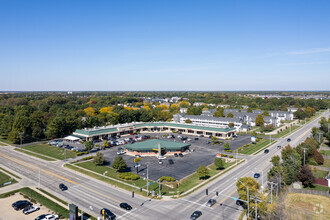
{"x":91,"y":195}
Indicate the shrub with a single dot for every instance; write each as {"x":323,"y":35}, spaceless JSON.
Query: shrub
{"x":167,"y":178}
{"x":318,"y":157}
{"x":230,"y":156}
{"x":128,"y":176}
{"x":224,"y":155}
{"x":81,"y":153}
{"x":88,"y":158}
{"x":229,"y":151}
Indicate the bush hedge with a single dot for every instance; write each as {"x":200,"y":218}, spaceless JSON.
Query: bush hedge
{"x":167,"y":178}
{"x":129,"y":176}
{"x":318,"y":157}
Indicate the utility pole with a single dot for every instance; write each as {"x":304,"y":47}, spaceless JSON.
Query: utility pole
{"x":271,"y":191}
{"x":256,"y":200}
{"x":304,"y":155}
{"x":20,"y":136}
{"x":147,"y":181}
{"x":39,"y":179}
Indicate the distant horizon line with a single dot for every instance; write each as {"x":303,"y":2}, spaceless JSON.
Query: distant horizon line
{"x":22,"y":91}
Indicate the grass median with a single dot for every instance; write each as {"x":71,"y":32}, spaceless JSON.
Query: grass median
{"x":4,"y":178}
{"x":49,"y":151}
{"x":6,"y":171}
{"x":34,"y":154}
{"x":252,"y":148}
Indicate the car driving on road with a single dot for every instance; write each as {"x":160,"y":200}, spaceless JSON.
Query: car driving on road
{"x":107,"y":214}
{"x":195,"y":215}
{"x":124,"y":205}
{"x":256,"y":175}
{"x":211,"y":202}
{"x":63,"y":187}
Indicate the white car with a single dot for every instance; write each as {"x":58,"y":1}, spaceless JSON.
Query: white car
{"x":121,"y":152}
{"x":50,"y":217}
{"x":30,"y":209}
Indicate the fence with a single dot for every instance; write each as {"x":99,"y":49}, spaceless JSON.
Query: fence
{"x":307,"y":191}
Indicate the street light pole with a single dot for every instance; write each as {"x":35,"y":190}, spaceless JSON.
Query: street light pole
{"x":304,"y":155}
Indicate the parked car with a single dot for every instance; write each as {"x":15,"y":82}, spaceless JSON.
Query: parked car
{"x":21,"y":204}
{"x":208,"y":142}
{"x":160,"y":162}
{"x":200,"y":135}
{"x":179,"y":136}
{"x":175,"y":154}
{"x":40,"y":217}
{"x":170,"y":161}
{"x":180,"y":155}
{"x":189,"y":139}
{"x":241,"y":203}
{"x":107,"y":213}
{"x":256,"y":175}
{"x":50,"y":217}
{"x":30,"y":209}
{"x":211,"y":202}
{"x":121,"y":152}
{"x":266,"y":151}
{"x":125,"y":206}
{"x":195,"y":215}
{"x":63,"y":187}
{"x":196,"y":139}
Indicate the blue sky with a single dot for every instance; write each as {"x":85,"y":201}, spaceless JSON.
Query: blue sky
{"x":164,"y":45}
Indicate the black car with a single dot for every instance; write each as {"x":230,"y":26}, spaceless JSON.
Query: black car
{"x":195,"y":215}
{"x":196,"y":139}
{"x":289,"y":139}
{"x":170,"y":161}
{"x":21,"y":204}
{"x":63,"y":187}
{"x":107,"y":214}
{"x":180,"y":155}
{"x":125,"y":206}
{"x":266,"y":151}
{"x":241,"y":203}
{"x":176,"y":155}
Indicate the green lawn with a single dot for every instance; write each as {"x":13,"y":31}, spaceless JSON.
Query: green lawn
{"x":10,"y":173}
{"x":326,"y":163}
{"x":51,"y":151}
{"x":34,"y":154}
{"x":4,"y":140}
{"x":319,"y":173}
{"x":318,"y":188}
{"x":252,"y":148}
{"x":325,"y":152}
{"x":4,"y":178}
{"x":185,"y":184}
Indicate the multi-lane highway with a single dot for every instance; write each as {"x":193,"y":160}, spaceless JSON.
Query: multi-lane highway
{"x":91,"y":195}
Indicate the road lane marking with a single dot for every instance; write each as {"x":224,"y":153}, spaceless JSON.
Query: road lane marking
{"x":52,"y":174}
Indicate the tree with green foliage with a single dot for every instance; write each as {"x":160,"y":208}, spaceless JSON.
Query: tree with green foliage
{"x":219,"y":112}
{"x":230,"y":115}
{"x":253,"y":185}
{"x":99,"y":158}
{"x":119,"y":163}
{"x":260,"y":120}
{"x":276,"y":160}
{"x":202,"y":172}
{"x":188,"y":121}
{"x":249,"y":110}
{"x":219,"y":163}
{"x":291,"y":164}
{"x":226,"y":146}
{"x":105,"y":144}
{"x":89,"y":145}
{"x":266,"y":113}
{"x":231,"y":124}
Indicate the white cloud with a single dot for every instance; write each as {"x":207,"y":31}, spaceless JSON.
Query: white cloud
{"x":308,"y":51}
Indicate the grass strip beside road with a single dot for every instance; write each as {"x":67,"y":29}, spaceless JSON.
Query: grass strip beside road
{"x":6,"y":171}
{"x":4,"y":178}
{"x":4,"y":140}
{"x":286,"y":132}
{"x":252,"y":148}
{"x":34,"y":154}
{"x":325,"y":152}
{"x":33,"y":195}
{"x":50,"y":151}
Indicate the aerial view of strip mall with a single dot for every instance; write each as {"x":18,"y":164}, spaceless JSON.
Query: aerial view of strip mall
{"x":164,"y":110}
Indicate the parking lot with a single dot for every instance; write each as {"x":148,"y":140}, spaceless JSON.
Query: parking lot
{"x":201,"y":154}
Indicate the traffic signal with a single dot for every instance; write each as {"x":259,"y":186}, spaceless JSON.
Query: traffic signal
{"x":132,"y":194}
{"x":217,"y":193}
{"x":207,"y":192}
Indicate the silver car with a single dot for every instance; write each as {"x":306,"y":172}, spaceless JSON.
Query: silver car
{"x":30,"y":209}
{"x":211,"y":202}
